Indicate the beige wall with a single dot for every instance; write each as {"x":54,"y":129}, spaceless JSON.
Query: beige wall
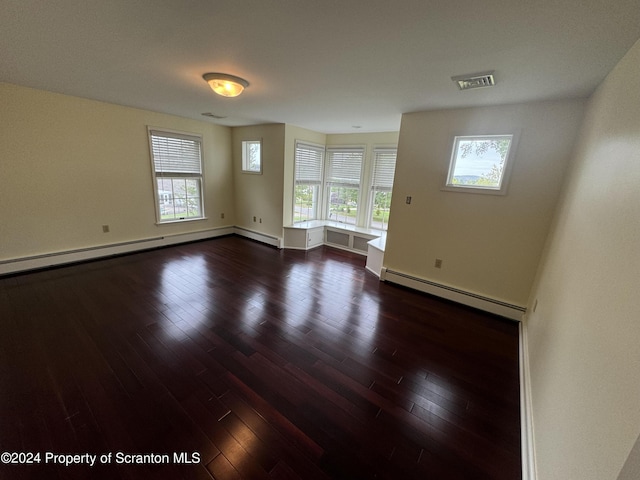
{"x":631,"y":469}
{"x":584,"y":337}
{"x":490,"y":244}
{"x":260,"y":196}
{"x":70,"y":165}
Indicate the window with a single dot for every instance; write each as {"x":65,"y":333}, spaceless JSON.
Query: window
{"x":308,"y":178}
{"x":384,"y":166}
{"x":480,"y":163}
{"x":177,"y":166}
{"x":252,"y":156}
{"x":344,"y":167}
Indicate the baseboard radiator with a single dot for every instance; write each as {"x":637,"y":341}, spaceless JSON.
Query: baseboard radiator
{"x":52,"y":259}
{"x":527,"y":445}
{"x":259,"y":236}
{"x":508,"y":310}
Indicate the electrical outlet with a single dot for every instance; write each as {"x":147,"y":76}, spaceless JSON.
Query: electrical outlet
{"x":254,"y":219}
{"x":105,"y":228}
{"x":260,"y":220}
{"x":222,"y":215}
{"x":408,"y":200}
{"x":438,"y":263}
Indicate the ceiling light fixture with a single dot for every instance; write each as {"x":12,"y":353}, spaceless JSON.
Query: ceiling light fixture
{"x":225,"y":85}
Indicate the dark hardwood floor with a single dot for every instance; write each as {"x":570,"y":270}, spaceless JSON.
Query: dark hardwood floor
{"x":256,"y":363}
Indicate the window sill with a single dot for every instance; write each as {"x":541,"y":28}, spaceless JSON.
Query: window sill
{"x":379,"y":243}
{"x":306,"y":225}
{"x":183,"y":220}
{"x":481,"y":191}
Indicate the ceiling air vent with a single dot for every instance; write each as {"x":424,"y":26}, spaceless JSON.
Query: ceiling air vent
{"x":209,"y":114}
{"x":474,"y":80}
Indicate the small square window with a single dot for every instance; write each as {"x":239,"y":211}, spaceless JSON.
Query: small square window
{"x":252,"y":156}
{"x":480,"y":164}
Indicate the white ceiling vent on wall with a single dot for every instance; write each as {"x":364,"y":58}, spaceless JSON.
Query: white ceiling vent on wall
{"x":474,"y":80}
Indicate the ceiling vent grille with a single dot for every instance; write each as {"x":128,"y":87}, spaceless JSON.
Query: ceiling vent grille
{"x":209,"y":114}
{"x":474,"y":80}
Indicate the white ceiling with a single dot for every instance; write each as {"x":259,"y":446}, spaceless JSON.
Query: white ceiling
{"x":326,"y":65}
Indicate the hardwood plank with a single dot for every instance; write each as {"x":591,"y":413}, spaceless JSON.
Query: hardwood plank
{"x":221,"y":468}
{"x":282,"y":447}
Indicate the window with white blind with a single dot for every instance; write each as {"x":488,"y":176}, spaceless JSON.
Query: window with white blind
{"x":177,"y":167}
{"x":308,"y":179}
{"x":342,"y":183}
{"x":384,"y":166}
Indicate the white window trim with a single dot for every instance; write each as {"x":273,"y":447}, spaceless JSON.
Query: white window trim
{"x":360,"y":219}
{"x":154,"y":177}
{"x":506,"y":173}
{"x":370,"y":186}
{"x":245,"y":146}
{"x":320,"y":200}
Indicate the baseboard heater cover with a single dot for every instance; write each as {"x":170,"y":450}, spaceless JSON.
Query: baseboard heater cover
{"x":45,"y":260}
{"x":527,"y":446}
{"x":259,"y":236}
{"x":508,"y":310}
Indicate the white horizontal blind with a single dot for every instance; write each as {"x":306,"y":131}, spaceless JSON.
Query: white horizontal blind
{"x":308,"y":163}
{"x":175,"y":154}
{"x":344,"y":167}
{"x":384,"y":167}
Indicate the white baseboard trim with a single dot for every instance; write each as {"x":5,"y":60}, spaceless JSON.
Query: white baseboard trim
{"x":34,"y":262}
{"x":526,"y":413}
{"x":258,"y":236}
{"x":383,"y":274}
{"x":514,"y":312}
{"x":371,"y":270}
{"x":346,"y":249}
{"x":304,"y":249}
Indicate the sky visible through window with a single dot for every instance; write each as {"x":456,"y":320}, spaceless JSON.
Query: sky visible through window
{"x":473,"y":163}
{"x":479,"y":162}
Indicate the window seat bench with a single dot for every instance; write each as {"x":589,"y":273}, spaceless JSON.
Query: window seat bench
{"x":365,"y":241}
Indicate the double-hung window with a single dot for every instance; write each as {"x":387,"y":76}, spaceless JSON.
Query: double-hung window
{"x":342,"y":183}
{"x":384,"y":166}
{"x":177,"y":167}
{"x":308,"y":179}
